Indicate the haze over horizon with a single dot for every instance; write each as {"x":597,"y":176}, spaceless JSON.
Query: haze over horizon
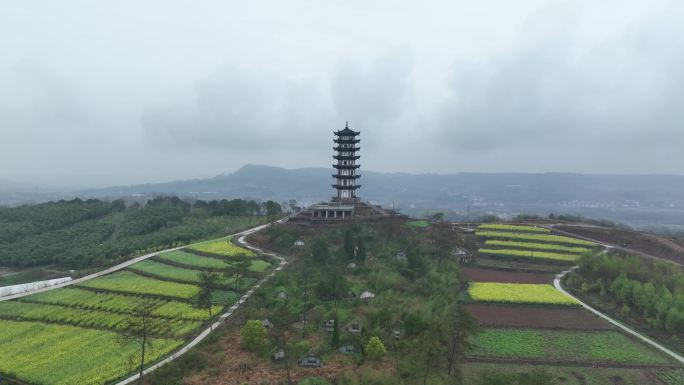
{"x":157,"y":91}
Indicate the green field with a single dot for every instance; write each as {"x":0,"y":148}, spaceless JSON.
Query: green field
{"x":87,"y":299}
{"x":529,"y":254}
{"x":419,"y":223}
{"x":506,"y":227}
{"x":259,"y":266}
{"x":671,"y":376}
{"x":193,"y":260}
{"x":533,"y":237}
{"x":173,"y":273}
{"x":222,"y":247}
{"x":518,"y":293}
{"x":67,"y":355}
{"x":536,"y":246}
{"x":185,"y":311}
{"x":603,"y":346}
{"x":128,"y":282}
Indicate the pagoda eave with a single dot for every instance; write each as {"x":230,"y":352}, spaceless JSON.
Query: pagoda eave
{"x":346,"y":166}
{"x":340,"y":187}
{"x":347,"y":141}
{"x":346,"y":157}
{"x":346,"y":149}
{"x":339,"y":176}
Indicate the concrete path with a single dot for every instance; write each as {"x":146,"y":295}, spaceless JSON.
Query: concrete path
{"x":223,"y":317}
{"x":557,"y":285}
{"x":91,"y":276}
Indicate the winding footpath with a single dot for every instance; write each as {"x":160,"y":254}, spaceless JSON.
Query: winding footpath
{"x":223,"y":317}
{"x":557,"y":285}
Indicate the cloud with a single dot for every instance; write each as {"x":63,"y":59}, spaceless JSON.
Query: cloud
{"x":553,"y":97}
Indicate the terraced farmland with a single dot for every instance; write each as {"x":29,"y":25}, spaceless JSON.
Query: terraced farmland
{"x":526,"y":322}
{"x":546,"y":238}
{"x":71,"y":335}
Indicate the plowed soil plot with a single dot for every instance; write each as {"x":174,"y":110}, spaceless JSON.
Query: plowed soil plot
{"x":535,"y":317}
{"x":486,"y":275}
{"x":643,"y":242}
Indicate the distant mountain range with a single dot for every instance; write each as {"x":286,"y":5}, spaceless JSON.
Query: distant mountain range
{"x":638,"y":200}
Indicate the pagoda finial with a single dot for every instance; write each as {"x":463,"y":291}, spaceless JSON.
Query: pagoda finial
{"x":346,"y":124}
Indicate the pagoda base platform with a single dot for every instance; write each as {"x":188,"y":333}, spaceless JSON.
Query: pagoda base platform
{"x":334,"y":212}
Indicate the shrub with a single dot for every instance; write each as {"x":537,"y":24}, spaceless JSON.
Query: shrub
{"x":375,"y":349}
{"x":252,"y":335}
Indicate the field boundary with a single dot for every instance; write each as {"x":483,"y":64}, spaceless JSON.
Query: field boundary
{"x":223,"y":317}
{"x":632,"y":332}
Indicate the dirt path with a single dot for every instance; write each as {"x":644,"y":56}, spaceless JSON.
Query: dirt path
{"x":557,"y":285}
{"x":222,"y":318}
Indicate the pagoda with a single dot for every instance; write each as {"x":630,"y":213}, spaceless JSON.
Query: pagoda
{"x":345,"y":205}
{"x":346,"y":167}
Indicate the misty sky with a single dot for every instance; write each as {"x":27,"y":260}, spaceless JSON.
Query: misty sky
{"x":157,"y":90}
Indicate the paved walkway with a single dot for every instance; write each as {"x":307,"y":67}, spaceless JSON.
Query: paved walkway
{"x":222,"y":318}
{"x":87,"y":277}
{"x":557,"y":285}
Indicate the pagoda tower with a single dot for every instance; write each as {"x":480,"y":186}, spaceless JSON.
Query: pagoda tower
{"x":346,"y":166}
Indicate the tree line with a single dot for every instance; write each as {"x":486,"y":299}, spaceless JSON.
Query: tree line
{"x":78,"y":234}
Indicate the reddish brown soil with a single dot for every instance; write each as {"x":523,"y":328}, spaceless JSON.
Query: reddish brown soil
{"x":487,"y":275}
{"x":646,"y":243}
{"x":536,"y":317}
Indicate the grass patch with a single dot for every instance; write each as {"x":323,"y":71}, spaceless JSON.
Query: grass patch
{"x":605,"y":346}
{"x":518,"y":293}
{"x":534,"y":237}
{"x":529,"y":254}
{"x":419,"y":223}
{"x":222,"y":247}
{"x":506,"y":227}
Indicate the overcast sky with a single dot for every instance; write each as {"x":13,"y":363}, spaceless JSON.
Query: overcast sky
{"x":155,"y":90}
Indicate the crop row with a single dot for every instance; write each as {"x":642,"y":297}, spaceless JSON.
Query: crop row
{"x":172,"y":272}
{"x":222,"y":247}
{"x":41,"y":353}
{"x":506,"y":227}
{"x":119,"y":303}
{"x":194,"y":260}
{"x":82,"y":298}
{"x":518,"y":293}
{"x":592,"y":346}
{"x":536,"y":246}
{"x":529,"y":254}
{"x":534,"y":237}
{"x":128,"y":282}
{"x":87,"y":318}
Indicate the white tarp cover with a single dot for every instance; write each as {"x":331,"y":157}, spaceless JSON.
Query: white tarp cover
{"x":24,"y":287}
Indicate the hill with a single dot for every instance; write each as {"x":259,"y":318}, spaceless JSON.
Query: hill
{"x":639,"y":200}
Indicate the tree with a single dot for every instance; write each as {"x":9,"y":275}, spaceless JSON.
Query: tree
{"x":139,"y":329}
{"x":461,"y":325}
{"x":240,"y":266}
{"x":375,"y":349}
{"x":336,"y":333}
{"x":361,"y":251}
{"x":319,"y":251}
{"x":252,"y":335}
{"x":207,"y":285}
{"x":349,"y":244}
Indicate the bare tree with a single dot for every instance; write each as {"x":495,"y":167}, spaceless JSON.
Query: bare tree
{"x":207,"y":285}
{"x":140,"y":328}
